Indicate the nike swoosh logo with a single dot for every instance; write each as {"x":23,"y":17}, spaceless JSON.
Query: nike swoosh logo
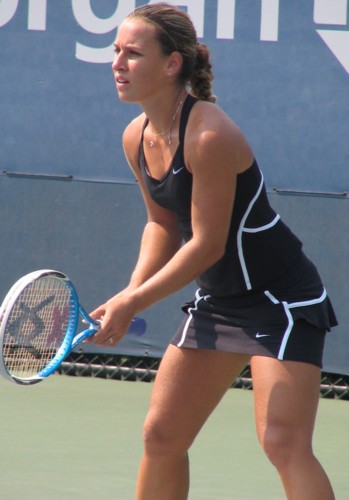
{"x":260,"y":335}
{"x":175,"y":172}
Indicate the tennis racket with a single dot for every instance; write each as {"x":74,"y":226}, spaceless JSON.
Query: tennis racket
{"x":39,"y":319}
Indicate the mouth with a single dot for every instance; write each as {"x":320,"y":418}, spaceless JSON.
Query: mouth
{"x":120,"y":81}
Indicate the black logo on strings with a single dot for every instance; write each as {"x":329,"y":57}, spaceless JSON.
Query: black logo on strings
{"x":28,"y":314}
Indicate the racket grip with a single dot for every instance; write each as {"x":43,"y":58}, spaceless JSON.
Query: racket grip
{"x":137,"y":327}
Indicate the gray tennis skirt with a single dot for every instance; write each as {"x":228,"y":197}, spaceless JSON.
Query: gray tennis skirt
{"x":287,"y":321}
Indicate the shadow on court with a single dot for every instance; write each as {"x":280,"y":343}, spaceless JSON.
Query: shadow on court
{"x":77,"y":438}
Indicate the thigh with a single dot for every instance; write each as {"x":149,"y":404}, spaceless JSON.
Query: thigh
{"x":286,"y":395}
{"x":188,"y":386}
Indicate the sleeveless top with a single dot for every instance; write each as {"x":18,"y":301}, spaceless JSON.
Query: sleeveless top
{"x":260,"y":247}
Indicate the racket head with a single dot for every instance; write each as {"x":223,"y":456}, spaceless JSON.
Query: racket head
{"x":38,"y":321}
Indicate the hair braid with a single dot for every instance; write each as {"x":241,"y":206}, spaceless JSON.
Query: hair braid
{"x":202,"y":76}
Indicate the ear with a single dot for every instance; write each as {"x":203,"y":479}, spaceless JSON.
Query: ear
{"x":174,"y":64}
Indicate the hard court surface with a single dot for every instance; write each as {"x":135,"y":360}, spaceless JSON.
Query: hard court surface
{"x":80,"y":438}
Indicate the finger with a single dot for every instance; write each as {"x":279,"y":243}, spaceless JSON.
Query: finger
{"x":107,"y":335}
{"x":110,"y":341}
{"x":104,"y":334}
{"x":98,"y":313}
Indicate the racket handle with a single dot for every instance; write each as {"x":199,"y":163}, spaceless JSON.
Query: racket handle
{"x":137,"y":327}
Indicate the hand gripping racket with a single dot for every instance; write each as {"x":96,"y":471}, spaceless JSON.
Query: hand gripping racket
{"x":39,"y":318}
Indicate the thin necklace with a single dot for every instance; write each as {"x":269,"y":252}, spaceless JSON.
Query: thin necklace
{"x":168,"y":132}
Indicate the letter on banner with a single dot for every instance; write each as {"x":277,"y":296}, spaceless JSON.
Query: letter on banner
{"x":270,"y":21}
{"x":8,"y":9}
{"x":195,"y":9}
{"x":226,"y":19}
{"x":90,"y":22}
{"x":37,"y":15}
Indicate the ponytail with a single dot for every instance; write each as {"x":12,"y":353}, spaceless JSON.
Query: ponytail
{"x":202,"y":76}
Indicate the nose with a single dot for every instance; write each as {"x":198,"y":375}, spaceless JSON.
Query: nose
{"x":118,"y":62}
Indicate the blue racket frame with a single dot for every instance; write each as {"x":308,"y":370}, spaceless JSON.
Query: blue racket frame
{"x":71,"y":339}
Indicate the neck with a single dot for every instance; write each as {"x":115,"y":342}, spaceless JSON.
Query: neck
{"x":156,"y":130}
{"x":160,"y":110}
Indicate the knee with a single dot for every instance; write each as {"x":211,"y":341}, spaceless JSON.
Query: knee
{"x":283,"y":444}
{"x":159,"y":438}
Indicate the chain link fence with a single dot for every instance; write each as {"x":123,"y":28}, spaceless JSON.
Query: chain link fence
{"x":116,"y":367}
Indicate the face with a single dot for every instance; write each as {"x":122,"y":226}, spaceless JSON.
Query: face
{"x":139,"y":65}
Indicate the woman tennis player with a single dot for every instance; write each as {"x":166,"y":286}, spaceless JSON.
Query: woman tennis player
{"x":259,"y":298}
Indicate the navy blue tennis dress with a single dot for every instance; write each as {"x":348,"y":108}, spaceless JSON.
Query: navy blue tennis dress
{"x":264,"y":296}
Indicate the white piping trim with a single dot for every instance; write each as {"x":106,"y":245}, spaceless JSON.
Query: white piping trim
{"x":195,"y":308}
{"x":309,"y":302}
{"x":287,"y":332}
{"x":287,"y":307}
{"x":262,"y":228}
{"x":271,"y":297}
{"x":240,"y":231}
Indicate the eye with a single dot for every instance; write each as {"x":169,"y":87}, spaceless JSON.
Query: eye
{"x":133,"y":53}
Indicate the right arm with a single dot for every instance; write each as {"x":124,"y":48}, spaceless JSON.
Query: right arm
{"x":161,"y":238}
{"x":160,"y":241}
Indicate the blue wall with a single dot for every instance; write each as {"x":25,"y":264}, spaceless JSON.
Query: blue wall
{"x":281,"y":71}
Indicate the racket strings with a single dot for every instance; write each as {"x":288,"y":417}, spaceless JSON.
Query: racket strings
{"x":36,"y":326}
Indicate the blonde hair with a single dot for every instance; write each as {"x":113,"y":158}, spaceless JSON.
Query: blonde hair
{"x":175,"y":32}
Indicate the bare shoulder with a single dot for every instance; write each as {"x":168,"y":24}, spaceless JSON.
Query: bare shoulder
{"x":208,"y":117}
{"x":212,"y":133}
{"x":131,"y":138}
